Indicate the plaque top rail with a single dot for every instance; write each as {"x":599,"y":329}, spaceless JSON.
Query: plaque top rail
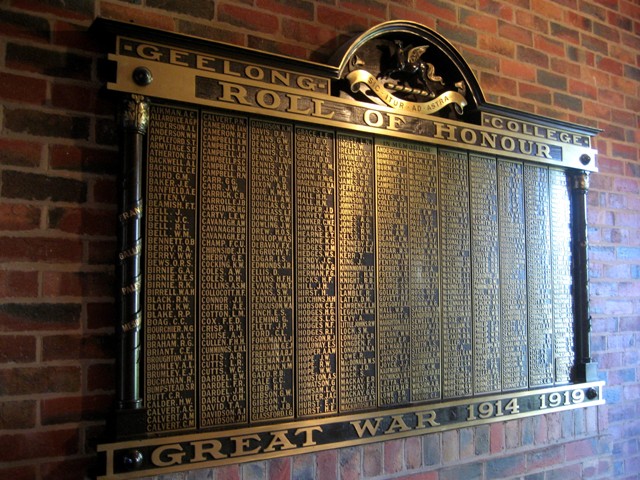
{"x":399,"y":79}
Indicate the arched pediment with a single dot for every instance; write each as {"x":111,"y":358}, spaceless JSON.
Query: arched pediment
{"x":406,"y":65}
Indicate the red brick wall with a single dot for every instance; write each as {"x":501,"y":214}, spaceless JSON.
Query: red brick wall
{"x":576,"y":60}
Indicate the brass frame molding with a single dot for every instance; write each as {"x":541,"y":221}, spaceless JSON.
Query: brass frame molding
{"x":317,"y":256}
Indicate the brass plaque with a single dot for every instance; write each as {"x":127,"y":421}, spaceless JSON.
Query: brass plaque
{"x":539,"y":276}
{"x":408,"y":272}
{"x":424,"y":272}
{"x":321,"y":256}
{"x":513,"y":274}
{"x":337,"y":273}
{"x":455,"y":276}
{"x":317,"y":294}
{"x":271,"y":299}
{"x":561,"y":282}
{"x":358,"y":335}
{"x":170,"y":270}
{"x":394,"y":285}
{"x":223,"y":231}
{"x":485,"y":268}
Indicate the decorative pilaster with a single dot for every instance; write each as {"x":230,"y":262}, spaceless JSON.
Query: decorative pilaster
{"x":585,"y":368}
{"x":134,"y":119}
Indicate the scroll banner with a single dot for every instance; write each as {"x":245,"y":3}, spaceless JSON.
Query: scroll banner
{"x":359,"y":77}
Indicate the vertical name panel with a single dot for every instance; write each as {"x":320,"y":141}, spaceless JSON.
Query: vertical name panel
{"x":169,"y":324}
{"x":223,"y":272}
{"x":316,"y":300}
{"x":424,"y":273}
{"x":357,"y":273}
{"x":486,"y":274}
{"x":513,"y":275}
{"x":539,"y":293}
{"x":394,"y":328}
{"x":455,"y":278}
{"x":561,"y":275}
{"x":271,"y":264}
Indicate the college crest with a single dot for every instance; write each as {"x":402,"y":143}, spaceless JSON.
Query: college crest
{"x":409,"y":71}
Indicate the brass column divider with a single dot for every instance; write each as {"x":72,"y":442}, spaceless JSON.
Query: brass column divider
{"x":133,"y":123}
{"x":585,"y":368}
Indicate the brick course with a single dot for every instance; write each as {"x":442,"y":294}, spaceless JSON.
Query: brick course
{"x":571,"y":60}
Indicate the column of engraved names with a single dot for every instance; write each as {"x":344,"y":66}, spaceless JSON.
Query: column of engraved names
{"x":425,"y":273}
{"x":316,"y":300}
{"x":457,"y":334}
{"x":539,"y":299}
{"x":170,"y":335}
{"x":356,"y":270}
{"x":486,"y":275}
{"x":394,"y":328}
{"x":223,"y":258}
{"x":561,"y":282}
{"x":513,"y":276}
{"x":271,"y":279}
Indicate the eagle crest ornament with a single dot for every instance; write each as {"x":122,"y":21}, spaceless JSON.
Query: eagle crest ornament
{"x":410,"y":67}
{"x":402,"y":73}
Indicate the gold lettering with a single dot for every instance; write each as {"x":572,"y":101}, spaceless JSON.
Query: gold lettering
{"x":488,"y":139}
{"x":428,"y":416}
{"x":212,"y":448}
{"x":148,"y":52}
{"x":373,"y":118}
{"x":497,"y":123}
{"x":508,"y":144}
{"x":468,"y":136}
{"x":317,"y":109}
{"x":294,"y":106}
{"x":443,"y":129}
{"x":367,"y":425}
{"x":396,"y":121}
{"x":204,"y":63}
{"x":308,"y":431}
{"x":175,"y":57}
{"x":226,"y":69}
{"x":397,"y":424}
{"x":279,"y":440}
{"x":234,"y":93}
{"x":157,"y":457}
{"x":254,"y":72}
{"x":284,"y":78}
{"x":242,"y":444}
{"x":262,"y":99}
{"x":307,"y":83}
{"x":543,"y":150}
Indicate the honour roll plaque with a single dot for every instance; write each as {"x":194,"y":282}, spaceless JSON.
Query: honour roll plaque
{"x":315,"y":255}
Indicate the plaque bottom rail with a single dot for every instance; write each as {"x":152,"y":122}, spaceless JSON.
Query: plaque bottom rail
{"x":166,"y":454}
